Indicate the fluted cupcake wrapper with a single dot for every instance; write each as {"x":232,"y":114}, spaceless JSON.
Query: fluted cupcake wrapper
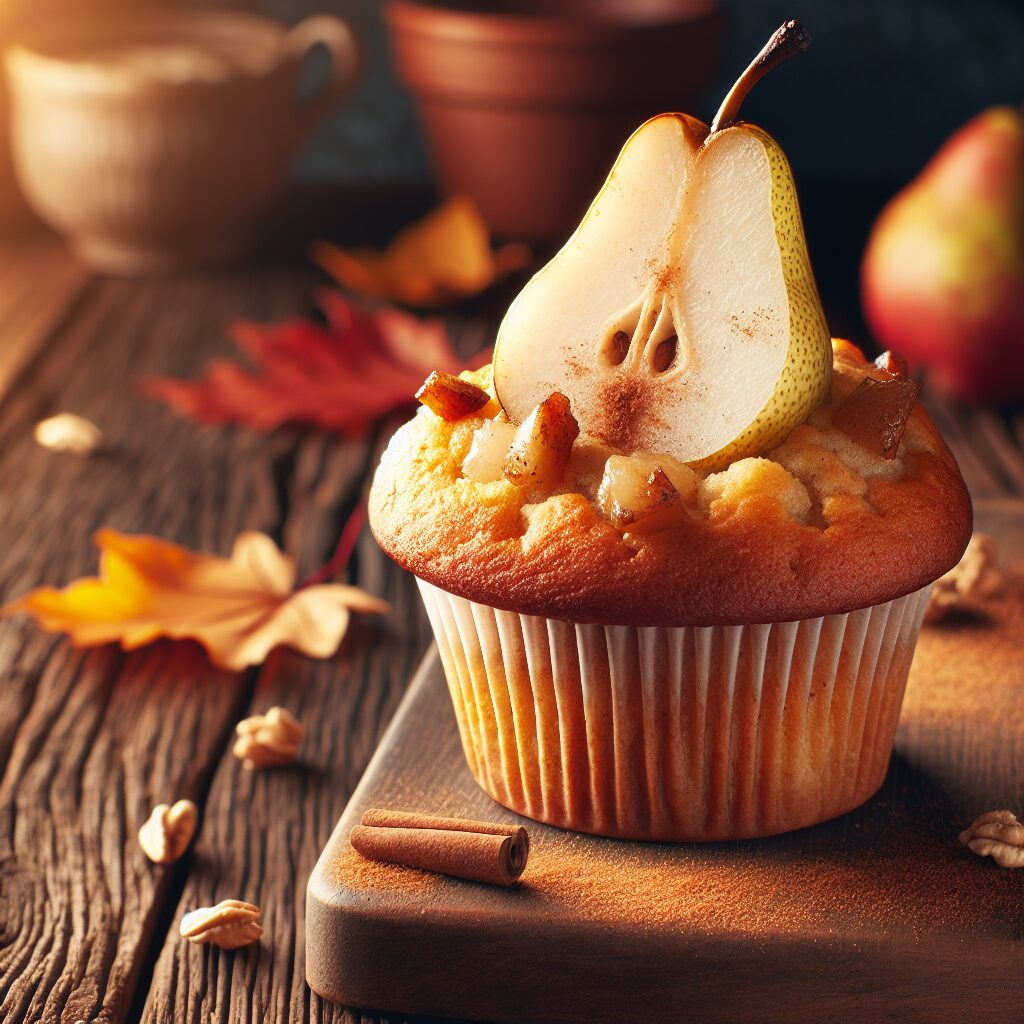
{"x":677,"y":733}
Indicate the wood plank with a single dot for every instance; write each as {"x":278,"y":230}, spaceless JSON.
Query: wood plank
{"x":39,"y":283}
{"x":264,"y":831}
{"x":82,"y":915}
{"x":90,"y":741}
{"x":993,"y":438}
{"x":983,"y":474}
{"x":877,"y":915}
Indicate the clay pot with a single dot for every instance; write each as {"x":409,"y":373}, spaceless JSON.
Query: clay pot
{"x":526,"y":104}
{"x":158,"y":141}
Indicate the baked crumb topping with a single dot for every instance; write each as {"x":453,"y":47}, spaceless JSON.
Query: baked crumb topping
{"x":816,"y":477}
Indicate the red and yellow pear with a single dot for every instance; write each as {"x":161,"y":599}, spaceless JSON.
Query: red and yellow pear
{"x":943,"y":273}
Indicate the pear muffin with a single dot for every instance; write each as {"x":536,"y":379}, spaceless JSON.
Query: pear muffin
{"x":676,"y":545}
{"x":728,"y":663}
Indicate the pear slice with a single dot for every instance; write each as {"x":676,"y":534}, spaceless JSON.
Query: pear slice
{"x":682,"y":316}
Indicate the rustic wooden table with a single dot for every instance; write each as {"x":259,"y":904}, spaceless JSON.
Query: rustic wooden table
{"x":89,"y":741}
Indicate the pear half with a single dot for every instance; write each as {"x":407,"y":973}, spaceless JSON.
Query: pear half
{"x":682,"y":316}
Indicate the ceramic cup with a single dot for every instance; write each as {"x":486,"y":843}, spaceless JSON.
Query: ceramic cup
{"x":525,"y":103}
{"x":156,"y":141}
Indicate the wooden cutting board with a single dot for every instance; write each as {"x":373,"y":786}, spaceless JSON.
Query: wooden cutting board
{"x":879,"y":915}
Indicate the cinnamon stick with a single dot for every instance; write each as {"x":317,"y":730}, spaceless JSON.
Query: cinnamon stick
{"x":474,"y":850}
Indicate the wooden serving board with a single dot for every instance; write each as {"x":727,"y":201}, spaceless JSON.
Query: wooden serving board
{"x":879,"y":915}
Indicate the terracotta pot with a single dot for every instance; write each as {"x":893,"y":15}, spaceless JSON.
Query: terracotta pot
{"x":157,"y":141}
{"x":526,"y":104}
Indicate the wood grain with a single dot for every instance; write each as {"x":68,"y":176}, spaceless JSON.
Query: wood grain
{"x":39,"y":284}
{"x":264,"y":832}
{"x":990,"y":457}
{"x":90,"y":741}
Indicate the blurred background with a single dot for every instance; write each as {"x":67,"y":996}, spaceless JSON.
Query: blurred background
{"x":885,"y":82}
{"x":883,"y":85}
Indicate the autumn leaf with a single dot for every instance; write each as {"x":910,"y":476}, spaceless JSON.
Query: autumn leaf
{"x":340,"y":377}
{"x":238,"y":608}
{"x":434,"y":262}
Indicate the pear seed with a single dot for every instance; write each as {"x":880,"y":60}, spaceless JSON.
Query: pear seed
{"x":618,"y":348}
{"x":665,"y":354}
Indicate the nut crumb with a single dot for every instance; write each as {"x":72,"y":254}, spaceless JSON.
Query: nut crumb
{"x":168,"y":831}
{"x":270,"y":740}
{"x":230,"y":925}
{"x":977,"y":575}
{"x":67,"y":432}
{"x":999,"y":835}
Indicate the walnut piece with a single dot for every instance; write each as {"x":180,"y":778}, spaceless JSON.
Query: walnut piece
{"x":999,"y":835}
{"x":168,"y":831}
{"x":67,"y":432}
{"x":269,"y":740}
{"x":230,"y":925}
{"x":975,"y":576}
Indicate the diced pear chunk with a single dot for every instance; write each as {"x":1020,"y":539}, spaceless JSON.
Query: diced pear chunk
{"x":639,"y":493}
{"x":542,"y":445}
{"x":875,"y":413}
{"x":491,"y":443}
{"x":450,"y":397}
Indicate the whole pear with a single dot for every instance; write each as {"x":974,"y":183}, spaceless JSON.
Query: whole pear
{"x":943,"y":275}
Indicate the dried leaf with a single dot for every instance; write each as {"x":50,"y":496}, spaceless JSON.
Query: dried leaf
{"x":238,"y":608}
{"x":439,"y":260}
{"x":339,"y":377}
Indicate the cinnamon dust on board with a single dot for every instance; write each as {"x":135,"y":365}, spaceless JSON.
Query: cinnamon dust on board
{"x":969,"y":666}
{"x":893,"y":867}
{"x":853,"y":886}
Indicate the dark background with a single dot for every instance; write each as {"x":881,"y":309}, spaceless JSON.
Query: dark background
{"x":883,"y":84}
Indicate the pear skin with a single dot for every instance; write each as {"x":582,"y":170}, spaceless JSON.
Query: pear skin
{"x":804,"y":382}
{"x":943,"y":273}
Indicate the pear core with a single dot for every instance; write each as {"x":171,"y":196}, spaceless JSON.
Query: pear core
{"x":682,"y":315}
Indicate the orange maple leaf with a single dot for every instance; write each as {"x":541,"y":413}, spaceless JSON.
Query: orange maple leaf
{"x":238,"y":608}
{"x":434,"y":262}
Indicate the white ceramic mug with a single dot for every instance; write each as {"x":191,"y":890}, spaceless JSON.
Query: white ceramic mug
{"x":159,"y":140}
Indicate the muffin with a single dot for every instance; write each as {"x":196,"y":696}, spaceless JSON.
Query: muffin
{"x":735,"y":673}
{"x":676,"y":544}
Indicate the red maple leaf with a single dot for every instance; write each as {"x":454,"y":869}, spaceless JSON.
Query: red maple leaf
{"x":341,"y":376}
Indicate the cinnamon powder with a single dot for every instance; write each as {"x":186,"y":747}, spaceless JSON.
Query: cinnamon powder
{"x":851,"y":887}
{"x":969,"y":668}
{"x":623,"y":416}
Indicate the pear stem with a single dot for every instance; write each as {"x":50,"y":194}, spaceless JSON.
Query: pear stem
{"x":788,"y":39}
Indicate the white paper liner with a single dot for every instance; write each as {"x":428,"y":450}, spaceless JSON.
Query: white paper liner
{"x":685,"y":733}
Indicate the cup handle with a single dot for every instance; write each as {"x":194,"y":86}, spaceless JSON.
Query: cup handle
{"x":346,"y":63}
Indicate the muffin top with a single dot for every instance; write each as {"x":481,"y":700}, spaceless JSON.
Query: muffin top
{"x":820,"y":524}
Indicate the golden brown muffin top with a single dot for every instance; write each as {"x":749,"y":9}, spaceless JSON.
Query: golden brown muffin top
{"x":819,"y":525}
